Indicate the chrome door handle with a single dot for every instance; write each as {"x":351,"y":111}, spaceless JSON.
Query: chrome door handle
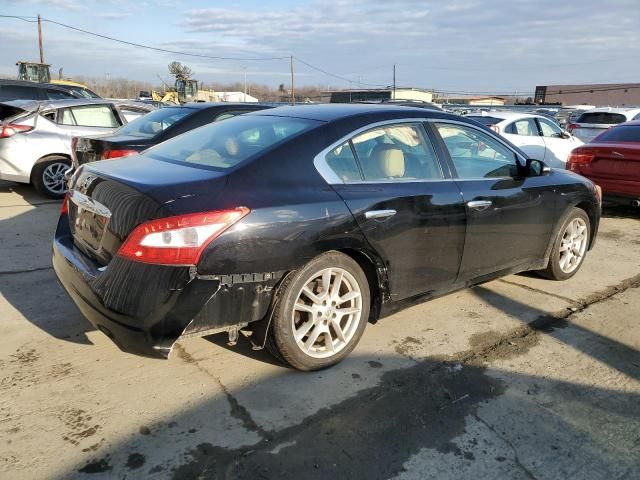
{"x":479,"y":204}
{"x":373,"y":214}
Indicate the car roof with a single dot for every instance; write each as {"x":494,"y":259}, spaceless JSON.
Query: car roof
{"x":614,"y":110}
{"x":28,"y":83}
{"x":337,"y":111}
{"x":51,"y":104}
{"x":504,"y":115}
{"x":630,"y":123}
{"x":214,"y":105}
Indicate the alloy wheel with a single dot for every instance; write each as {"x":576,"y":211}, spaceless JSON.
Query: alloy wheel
{"x":573,"y":245}
{"x":53,"y":177}
{"x":327,"y":312}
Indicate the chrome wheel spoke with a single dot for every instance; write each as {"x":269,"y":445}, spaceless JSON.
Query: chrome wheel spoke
{"x":327,"y":312}
{"x":573,"y":245}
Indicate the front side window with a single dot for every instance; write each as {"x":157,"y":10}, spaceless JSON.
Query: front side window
{"x":223,"y":145}
{"x":396,"y":152}
{"x":90,"y":116}
{"x":476,"y":154}
{"x":548,"y":129}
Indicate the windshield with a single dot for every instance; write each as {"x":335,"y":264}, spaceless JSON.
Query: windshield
{"x":623,"y":133}
{"x":225,"y":144}
{"x":153,"y":123}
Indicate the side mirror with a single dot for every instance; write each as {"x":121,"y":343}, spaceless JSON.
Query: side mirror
{"x":565,"y":134}
{"x":537,"y":168}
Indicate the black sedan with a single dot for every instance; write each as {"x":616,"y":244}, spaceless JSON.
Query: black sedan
{"x":298,"y":225}
{"x":161,"y":125}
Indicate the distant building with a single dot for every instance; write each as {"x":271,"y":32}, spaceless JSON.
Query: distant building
{"x":472,"y":100}
{"x":600,"y":95}
{"x":235,"y":97}
{"x":377,"y":94}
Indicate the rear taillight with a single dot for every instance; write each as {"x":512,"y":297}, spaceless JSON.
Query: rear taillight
{"x":109,"y":154}
{"x":579,"y":158}
{"x":572,"y":127}
{"x":64,"y":209}
{"x":178,"y":240}
{"x":10,"y":129}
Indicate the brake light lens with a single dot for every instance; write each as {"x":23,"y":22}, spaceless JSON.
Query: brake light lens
{"x":572,"y":127}
{"x":178,"y":240}
{"x":10,"y":129}
{"x":110,"y":154}
{"x":579,"y":158}
{"x":64,"y":209}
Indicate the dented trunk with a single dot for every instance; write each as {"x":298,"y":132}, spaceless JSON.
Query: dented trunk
{"x":115,"y":293}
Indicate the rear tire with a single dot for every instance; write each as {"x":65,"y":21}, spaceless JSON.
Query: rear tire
{"x":569,"y":246}
{"x":47,"y":176}
{"x":320,"y":314}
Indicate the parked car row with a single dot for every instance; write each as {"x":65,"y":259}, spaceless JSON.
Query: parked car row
{"x":35,"y":137}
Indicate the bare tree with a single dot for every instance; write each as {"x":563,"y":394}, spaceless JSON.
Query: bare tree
{"x":180,"y":71}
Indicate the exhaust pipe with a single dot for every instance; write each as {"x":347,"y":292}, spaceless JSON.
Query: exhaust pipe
{"x":635,"y":203}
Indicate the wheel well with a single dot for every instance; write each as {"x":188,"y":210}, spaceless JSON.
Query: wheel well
{"x":590,"y":210}
{"x":46,"y":158}
{"x":376,"y":284}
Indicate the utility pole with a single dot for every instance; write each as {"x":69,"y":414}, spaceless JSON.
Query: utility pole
{"x":293,"y":91}
{"x":394,"y":81}
{"x":40,"y":39}
{"x":245,"y":84}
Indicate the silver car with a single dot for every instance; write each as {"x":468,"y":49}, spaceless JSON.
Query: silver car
{"x":35,"y":137}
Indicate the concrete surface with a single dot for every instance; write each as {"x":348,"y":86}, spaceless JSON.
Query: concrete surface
{"x":517,"y":378}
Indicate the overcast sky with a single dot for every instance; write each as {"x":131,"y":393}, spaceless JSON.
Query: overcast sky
{"x":455,"y":45}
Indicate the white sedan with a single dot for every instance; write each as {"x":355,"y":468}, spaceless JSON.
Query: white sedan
{"x":535,"y":135}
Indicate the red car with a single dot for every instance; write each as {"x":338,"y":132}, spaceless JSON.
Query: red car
{"x":612,"y":161}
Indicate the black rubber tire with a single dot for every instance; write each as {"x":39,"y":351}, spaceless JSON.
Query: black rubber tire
{"x":553,"y":270}
{"x":37,"y":173}
{"x":280,"y":338}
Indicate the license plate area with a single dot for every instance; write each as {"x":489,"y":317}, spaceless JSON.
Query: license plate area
{"x":88,"y":220}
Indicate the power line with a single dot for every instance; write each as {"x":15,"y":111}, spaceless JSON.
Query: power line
{"x":339,"y":77}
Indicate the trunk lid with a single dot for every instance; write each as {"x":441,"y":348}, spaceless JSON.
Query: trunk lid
{"x":90,"y":149}
{"x":108,"y":199}
{"x":614,"y":161}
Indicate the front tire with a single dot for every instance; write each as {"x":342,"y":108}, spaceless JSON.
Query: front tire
{"x":570,"y":246}
{"x":321,"y":312}
{"x":48,"y":176}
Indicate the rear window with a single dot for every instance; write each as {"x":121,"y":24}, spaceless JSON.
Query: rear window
{"x":604,"y":118}
{"x":152,"y":124}
{"x":626,"y":133}
{"x":19,"y":92}
{"x":223,"y":145}
{"x":486,"y":121}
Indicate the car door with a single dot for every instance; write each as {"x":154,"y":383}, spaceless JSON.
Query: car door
{"x":558,"y":144}
{"x":524,"y":134}
{"x":510,"y":216}
{"x":405,"y":203}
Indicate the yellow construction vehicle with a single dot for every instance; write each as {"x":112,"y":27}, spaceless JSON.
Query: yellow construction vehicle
{"x":185,"y":91}
{"x":39,"y":72}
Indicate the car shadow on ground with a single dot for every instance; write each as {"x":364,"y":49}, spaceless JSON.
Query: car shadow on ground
{"x":468,"y":417}
{"x":27,"y":280}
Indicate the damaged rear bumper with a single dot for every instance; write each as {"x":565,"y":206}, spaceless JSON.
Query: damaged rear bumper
{"x":144,"y":309}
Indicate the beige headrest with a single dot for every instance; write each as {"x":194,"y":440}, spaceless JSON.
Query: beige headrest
{"x":389,"y":162}
{"x":232,"y":146}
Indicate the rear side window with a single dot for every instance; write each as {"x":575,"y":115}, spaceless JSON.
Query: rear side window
{"x":526,"y":127}
{"x":53,"y":94}
{"x":90,"y":116}
{"x":604,"y":118}
{"x":155,"y":122}
{"x":342,"y":161}
{"x":19,"y":92}
{"x":223,"y":145}
{"x":626,"y":133}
